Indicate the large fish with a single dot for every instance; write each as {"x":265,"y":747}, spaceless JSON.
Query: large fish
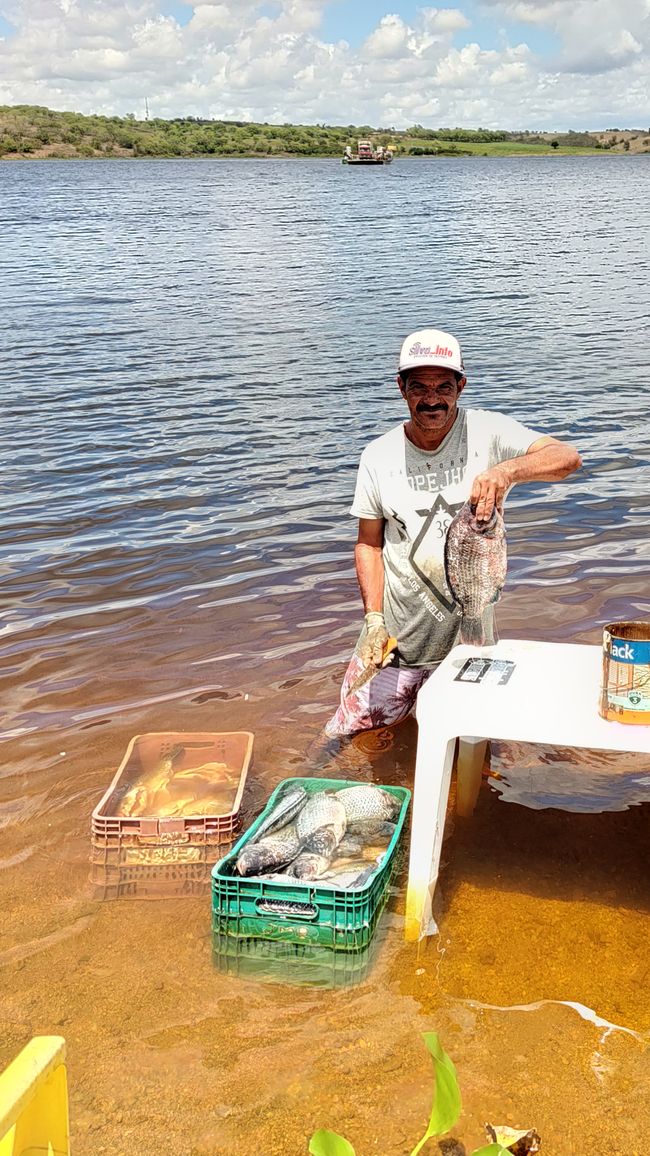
{"x":367,"y":808}
{"x":316,"y":853}
{"x":269,"y":853}
{"x":321,"y":810}
{"x":475,"y":568}
{"x":285,"y":810}
{"x":321,"y":826}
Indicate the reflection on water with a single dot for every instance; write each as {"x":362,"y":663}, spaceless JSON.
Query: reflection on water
{"x":288,"y":963}
{"x":570,"y":779}
{"x":194,"y":355}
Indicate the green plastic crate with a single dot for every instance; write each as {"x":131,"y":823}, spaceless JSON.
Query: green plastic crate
{"x":270,"y":961}
{"x":327,"y":916}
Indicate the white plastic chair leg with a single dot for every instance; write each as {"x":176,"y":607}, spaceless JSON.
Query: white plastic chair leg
{"x":430,"y":794}
{"x":469,"y":770}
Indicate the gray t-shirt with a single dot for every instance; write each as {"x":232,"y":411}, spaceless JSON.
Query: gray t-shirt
{"x":417,"y":494}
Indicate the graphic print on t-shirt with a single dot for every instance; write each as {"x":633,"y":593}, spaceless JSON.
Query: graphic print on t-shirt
{"x":427,"y":550}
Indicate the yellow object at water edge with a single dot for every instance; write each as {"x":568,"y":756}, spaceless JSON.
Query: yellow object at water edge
{"x":34,"y":1101}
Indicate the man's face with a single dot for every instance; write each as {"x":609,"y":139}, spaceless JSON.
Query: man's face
{"x":431,"y":394}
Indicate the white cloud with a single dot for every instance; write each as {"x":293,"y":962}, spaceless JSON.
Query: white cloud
{"x":596,"y":36}
{"x":242,"y":59}
{"x":389,"y":39}
{"x":444,"y":19}
{"x":510,"y":72}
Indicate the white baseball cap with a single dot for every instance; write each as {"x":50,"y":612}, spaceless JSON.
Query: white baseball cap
{"x":431,"y":347}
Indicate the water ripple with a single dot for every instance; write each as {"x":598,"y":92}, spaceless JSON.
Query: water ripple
{"x":194,"y":356}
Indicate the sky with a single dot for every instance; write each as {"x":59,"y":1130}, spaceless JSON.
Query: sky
{"x":548,"y":65}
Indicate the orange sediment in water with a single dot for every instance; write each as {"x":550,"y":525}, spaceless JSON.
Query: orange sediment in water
{"x":165,"y":1053}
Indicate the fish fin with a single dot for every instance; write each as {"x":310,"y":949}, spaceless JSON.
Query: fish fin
{"x":472,"y":632}
{"x":447,"y":578}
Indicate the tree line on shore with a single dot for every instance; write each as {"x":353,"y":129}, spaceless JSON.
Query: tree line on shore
{"x":29,"y":130}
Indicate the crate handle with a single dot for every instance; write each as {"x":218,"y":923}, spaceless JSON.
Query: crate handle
{"x":287,"y":908}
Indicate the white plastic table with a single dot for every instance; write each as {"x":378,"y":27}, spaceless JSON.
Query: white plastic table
{"x":532,"y":692}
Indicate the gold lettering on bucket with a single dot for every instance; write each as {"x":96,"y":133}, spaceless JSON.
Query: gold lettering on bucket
{"x":625,"y":687}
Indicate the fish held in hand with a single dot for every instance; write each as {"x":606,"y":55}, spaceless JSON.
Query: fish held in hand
{"x":475,"y":569}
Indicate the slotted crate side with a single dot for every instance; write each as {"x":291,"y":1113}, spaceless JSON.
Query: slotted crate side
{"x":147,"y":852}
{"x":256,"y":898}
{"x":289,"y":963}
{"x":343,"y":937}
{"x":156,"y":882}
{"x":341,"y":919}
{"x":217,"y":828}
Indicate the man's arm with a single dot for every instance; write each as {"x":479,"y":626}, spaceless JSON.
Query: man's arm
{"x":369,"y":563}
{"x":546,"y":460}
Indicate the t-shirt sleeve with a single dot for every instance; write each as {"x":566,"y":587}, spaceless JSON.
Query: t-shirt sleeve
{"x":509,"y":438}
{"x":367,"y":503}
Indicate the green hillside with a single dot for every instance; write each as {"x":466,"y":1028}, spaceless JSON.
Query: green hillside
{"x":31,"y":131}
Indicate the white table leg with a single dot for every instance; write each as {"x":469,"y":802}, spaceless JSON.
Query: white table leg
{"x":434,"y":761}
{"x":469,"y":770}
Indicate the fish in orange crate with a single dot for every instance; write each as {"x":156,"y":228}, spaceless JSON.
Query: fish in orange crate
{"x":208,"y":789}
{"x":138,"y":800}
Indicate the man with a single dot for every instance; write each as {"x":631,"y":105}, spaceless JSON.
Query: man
{"x":411,"y":482}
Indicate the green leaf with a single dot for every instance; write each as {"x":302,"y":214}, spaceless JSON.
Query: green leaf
{"x":492,"y":1150}
{"x":324,"y":1143}
{"x":445,"y":1109}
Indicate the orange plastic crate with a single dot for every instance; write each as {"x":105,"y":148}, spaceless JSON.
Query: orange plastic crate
{"x":155,"y":854}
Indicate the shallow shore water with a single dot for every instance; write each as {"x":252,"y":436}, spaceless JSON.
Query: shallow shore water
{"x":194,"y":356}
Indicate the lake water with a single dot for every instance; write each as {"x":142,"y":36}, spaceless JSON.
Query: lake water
{"x":193,"y":356}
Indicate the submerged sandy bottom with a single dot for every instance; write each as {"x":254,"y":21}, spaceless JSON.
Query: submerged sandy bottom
{"x":166,"y":1054}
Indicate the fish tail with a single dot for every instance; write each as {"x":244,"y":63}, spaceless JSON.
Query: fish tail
{"x":472,"y":632}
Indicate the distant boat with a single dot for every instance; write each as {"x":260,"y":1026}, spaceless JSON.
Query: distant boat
{"x":367,"y":155}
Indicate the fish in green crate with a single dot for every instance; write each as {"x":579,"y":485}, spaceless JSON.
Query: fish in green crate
{"x":349,"y":875}
{"x":365,"y":803}
{"x":316,"y":853}
{"x":342,"y":833}
{"x":369,"y":830}
{"x":284,"y":811}
{"x":321,"y":826}
{"x":322,"y":810}
{"x":270,"y":853}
